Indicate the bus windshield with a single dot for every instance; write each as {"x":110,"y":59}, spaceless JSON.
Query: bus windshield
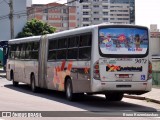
{"x":123,"y":41}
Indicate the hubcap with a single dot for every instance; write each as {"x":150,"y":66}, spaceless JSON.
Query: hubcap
{"x":68,"y":90}
{"x":32,"y":84}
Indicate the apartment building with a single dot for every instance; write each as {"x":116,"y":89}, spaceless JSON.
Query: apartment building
{"x":60,"y":16}
{"x":155,"y":52}
{"x":98,"y":11}
{"x":155,"y":40}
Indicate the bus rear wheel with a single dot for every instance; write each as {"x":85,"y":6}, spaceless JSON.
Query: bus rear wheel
{"x":114,"y":96}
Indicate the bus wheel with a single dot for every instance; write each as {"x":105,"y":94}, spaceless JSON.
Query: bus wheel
{"x":12,"y":79}
{"x":33,"y":86}
{"x":114,"y":96}
{"x":69,"y":90}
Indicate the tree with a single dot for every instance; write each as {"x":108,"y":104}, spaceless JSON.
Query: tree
{"x":36,"y":27}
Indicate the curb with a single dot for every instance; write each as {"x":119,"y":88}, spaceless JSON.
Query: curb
{"x":142,"y":98}
{"x":2,"y":76}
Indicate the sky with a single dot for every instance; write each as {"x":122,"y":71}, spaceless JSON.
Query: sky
{"x":147,"y":11}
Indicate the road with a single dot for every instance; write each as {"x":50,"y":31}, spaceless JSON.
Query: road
{"x":22,"y":99}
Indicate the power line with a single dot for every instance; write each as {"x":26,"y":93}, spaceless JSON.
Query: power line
{"x":2,"y":1}
{"x":26,"y":11}
{"x":5,"y":1}
{"x":4,"y":17}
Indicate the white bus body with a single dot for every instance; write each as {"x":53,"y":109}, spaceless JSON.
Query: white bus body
{"x":107,"y":59}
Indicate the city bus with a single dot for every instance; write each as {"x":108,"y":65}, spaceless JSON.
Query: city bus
{"x":3,"y":53}
{"x":100,"y":59}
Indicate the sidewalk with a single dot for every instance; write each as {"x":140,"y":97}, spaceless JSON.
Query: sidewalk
{"x":152,"y":96}
{"x":2,"y":73}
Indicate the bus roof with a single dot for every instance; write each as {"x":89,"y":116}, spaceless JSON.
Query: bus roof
{"x":67,"y":32}
{"x":85,"y":29}
{"x":22,"y":40}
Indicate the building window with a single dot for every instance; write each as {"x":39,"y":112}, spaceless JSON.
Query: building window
{"x":105,"y":19}
{"x":64,"y":25}
{"x":85,"y":13}
{"x":113,"y":10}
{"x":105,"y":13}
{"x":85,"y":7}
{"x":96,"y":6}
{"x":85,"y":24}
{"x":64,"y":10}
{"x":96,"y":18}
{"x":96,"y":12}
{"x":105,"y":1}
{"x":105,"y":7}
{"x":45,"y":10}
{"x":44,"y":17}
{"x":85,"y":19}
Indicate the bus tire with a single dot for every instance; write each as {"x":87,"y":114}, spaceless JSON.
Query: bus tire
{"x":33,"y":85}
{"x":114,"y":96}
{"x":69,"y":90}
{"x":12,"y":79}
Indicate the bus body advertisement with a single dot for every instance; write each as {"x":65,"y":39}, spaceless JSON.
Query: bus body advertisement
{"x":106,"y":59}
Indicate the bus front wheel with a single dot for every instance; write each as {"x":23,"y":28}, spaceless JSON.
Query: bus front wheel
{"x":114,"y":96}
{"x":13,"y":81}
{"x":33,"y":86}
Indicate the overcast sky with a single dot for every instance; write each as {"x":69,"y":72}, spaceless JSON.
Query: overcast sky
{"x":147,"y":11}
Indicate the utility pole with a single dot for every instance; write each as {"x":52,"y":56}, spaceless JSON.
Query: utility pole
{"x":11,"y":19}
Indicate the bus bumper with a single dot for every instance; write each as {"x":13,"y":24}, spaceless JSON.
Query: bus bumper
{"x":139,"y":87}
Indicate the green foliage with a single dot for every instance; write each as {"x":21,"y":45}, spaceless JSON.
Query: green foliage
{"x":36,"y":27}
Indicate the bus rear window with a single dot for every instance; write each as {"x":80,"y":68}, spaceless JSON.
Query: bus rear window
{"x":123,"y":41}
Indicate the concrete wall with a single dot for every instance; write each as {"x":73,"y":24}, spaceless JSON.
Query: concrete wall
{"x":20,"y":20}
{"x":155,"y":46}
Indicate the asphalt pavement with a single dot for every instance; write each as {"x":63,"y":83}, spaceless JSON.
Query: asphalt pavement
{"x":152,"y":96}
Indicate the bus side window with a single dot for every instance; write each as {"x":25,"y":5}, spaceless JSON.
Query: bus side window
{"x":34,"y":51}
{"x":28,"y":50}
{"x":52,"y":44}
{"x":62,"y":48}
{"x":85,"y":53}
{"x":73,"y":42}
{"x":12,"y":50}
{"x":85,"y":40}
{"x":85,"y":46}
{"x":73,"y":47}
{"x":52,"y":49}
{"x":17,"y":52}
{"x":22,"y":52}
{"x":62,"y":43}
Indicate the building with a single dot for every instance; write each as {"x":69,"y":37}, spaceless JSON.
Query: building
{"x":29,"y":3}
{"x":155,"y":40}
{"x":57,"y":15}
{"x":130,"y":4}
{"x":155,"y":52}
{"x":98,"y":11}
{"x":19,"y":18}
